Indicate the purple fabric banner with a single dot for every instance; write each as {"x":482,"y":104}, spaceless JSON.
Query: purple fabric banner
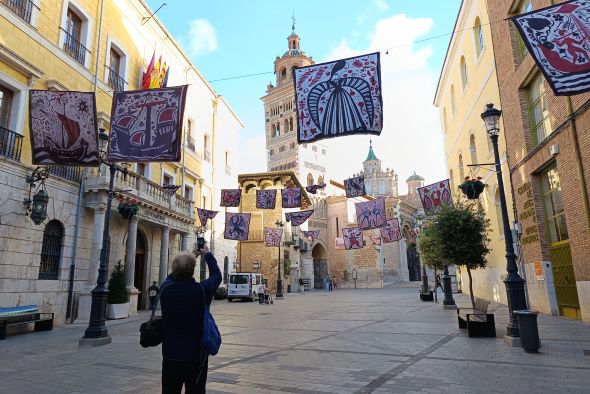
{"x":204,"y":215}
{"x":353,"y":238}
{"x":435,"y":196}
{"x":313,"y":189}
{"x":266,"y":199}
{"x":391,"y":232}
{"x":291,"y":197}
{"x":355,"y":187}
{"x":237,"y":226}
{"x":370,"y":214}
{"x":339,"y":98}
{"x":298,"y":218}
{"x":63,"y":128}
{"x":230,"y":197}
{"x":375,"y":239}
{"x":146,"y":125}
{"x":311,"y":235}
{"x":272,"y":236}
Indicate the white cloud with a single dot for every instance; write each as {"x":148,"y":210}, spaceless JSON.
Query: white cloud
{"x":411,"y":138}
{"x":381,"y":5}
{"x":201,"y":37}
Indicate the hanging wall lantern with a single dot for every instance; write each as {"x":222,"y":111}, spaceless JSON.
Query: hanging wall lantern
{"x":39,"y":208}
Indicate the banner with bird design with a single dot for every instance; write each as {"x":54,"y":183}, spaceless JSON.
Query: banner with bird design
{"x":63,"y":128}
{"x":237,"y":226}
{"x":339,"y":98}
{"x":435,"y":196}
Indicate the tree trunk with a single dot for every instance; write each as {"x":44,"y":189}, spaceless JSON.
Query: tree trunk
{"x":471,"y":288}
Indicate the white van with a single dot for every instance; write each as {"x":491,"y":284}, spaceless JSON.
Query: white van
{"x":243,"y":285}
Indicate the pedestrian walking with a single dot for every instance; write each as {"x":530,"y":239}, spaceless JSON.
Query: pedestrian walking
{"x":153,"y":292}
{"x":261,"y":293}
{"x":327,"y":283}
{"x":437,"y":282}
{"x":185,"y":363}
{"x":330,"y":285}
{"x":334,"y":284}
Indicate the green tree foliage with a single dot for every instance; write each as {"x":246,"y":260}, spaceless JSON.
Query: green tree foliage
{"x":117,"y":289}
{"x":428,"y":247}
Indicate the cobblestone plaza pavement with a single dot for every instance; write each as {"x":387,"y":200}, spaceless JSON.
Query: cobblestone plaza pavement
{"x":348,"y":341}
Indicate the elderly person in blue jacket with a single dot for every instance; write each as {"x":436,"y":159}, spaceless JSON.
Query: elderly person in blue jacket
{"x":185,"y":361}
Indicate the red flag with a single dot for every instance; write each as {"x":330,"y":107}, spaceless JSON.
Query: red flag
{"x":145,"y":84}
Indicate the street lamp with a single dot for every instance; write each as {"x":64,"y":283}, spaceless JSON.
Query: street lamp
{"x":514,"y":283}
{"x":280,"y":224}
{"x":97,"y":332}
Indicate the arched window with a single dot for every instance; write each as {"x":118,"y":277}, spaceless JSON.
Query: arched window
{"x":272,"y":152}
{"x":53,"y":236}
{"x":499,"y":212}
{"x":290,"y":123}
{"x":478,"y":37}
{"x":283,"y":74}
{"x":309,"y":179}
{"x":225,"y":269}
{"x":473,"y":149}
{"x":461,"y":169}
{"x":273,"y":131}
{"x":278,"y":128}
{"x":452,"y":99}
{"x":287,"y":125}
{"x":464,"y":79}
{"x":320,"y":180}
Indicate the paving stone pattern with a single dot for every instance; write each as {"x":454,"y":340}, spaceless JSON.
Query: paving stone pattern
{"x":347,"y":341}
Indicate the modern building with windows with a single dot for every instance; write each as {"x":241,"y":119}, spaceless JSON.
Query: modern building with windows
{"x":56,"y":46}
{"x":467,"y":82}
{"x":549,"y":164}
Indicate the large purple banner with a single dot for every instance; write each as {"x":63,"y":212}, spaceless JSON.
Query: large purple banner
{"x":146,"y":125}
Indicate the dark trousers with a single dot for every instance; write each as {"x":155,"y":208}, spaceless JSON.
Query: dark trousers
{"x":261,"y":298}
{"x":153,"y":302}
{"x":175,"y":374}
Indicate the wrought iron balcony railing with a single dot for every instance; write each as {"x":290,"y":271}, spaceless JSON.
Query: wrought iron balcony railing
{"x":11,"y":144}
{"x":22,"y":8}
{"x":190,"y":143}
{"x":69,"y":173}
{"x":74,"y":48}
{"x":115,"y":80}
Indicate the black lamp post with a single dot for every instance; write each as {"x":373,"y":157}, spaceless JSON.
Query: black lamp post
{"x":280,"y":224}
{"x":514,"y":283}
{"x":97,"y":330}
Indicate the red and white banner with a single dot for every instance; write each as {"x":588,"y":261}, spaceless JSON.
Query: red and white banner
{"x":391,"y":232}
{"x":353,"y":238}
{"x":435,"y":196}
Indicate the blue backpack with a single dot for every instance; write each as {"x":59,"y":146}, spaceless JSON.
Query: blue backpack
{"x":211,"y":338}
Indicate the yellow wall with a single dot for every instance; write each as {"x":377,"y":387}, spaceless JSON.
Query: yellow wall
{"x":470,"y":100}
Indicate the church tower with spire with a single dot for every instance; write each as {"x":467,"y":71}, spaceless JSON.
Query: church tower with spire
{"x":308,"y":161}
{"x":378,"y":182}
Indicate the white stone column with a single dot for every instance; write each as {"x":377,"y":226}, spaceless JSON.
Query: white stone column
{"x":403,"y":261}
{"x":164,"y":253}
{"x":185,"y":243}
{"x":130,"y":265}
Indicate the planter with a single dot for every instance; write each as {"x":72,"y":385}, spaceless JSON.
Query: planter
{"x":117,"y":311}
{"x":472,"y":189}
{"x":128,"y":211}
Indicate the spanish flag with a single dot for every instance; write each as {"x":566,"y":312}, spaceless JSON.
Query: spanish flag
{"x":155,"y":80}
{"x":162,"y":75}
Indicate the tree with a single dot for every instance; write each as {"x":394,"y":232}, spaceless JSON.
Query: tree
{"x":457,"y":235}
{"x":117,"y":289}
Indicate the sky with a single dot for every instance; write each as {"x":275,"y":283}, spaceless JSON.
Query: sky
{"x":232,"y":38}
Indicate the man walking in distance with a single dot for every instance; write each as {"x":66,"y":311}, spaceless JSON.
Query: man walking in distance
{"x":184,"y":359}
{"x":153,"y":292}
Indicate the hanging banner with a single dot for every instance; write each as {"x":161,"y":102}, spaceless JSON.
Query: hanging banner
{"x":272,"y":236}
{"x":339,"y":243}
{"x":204,"y":215}
{"x":375,"y":239}
{"x":291,"y":197}
{"x":339,"y":98}
{"x":146,"y":125}
{"x":355,"y":187}
{"x":558,"y":38}
{"x":63,"y":128}
{"x":353,"y":238}
{"x":237,"y":226}
{"x":435,"y":196}
{"x":313,"y":189}
{"x":391,"y":232}
{"x":230,"y":197}
{"x":298,"y":218}
{"x":311,"y":235}
{"x":370,"y":214}
{"x":266,"y":199}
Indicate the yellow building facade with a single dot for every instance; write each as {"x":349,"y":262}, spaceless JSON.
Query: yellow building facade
{"x":466,"y":84}
{"x":101,"y":47}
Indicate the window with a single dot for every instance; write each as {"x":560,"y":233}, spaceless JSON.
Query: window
{"x":74,"y":35}
{"x":167,"y":180}
{"x":461,"y":169}
{"x":499,"y":212}
{"x":5,"y":106}
{"x":291,"y":124}
{"x":538,"y":112}
{"x":278,"y":128}
{"x":282,"y":148}
{"x":273,"y":131}
{"x":478,"y":37}
{"x":51,"y":250}
{"x":142,"y":169}
{"x":25,"y":9}
{"x":309,"y":179}
{"x":320,"y":180}
{"x":272,"y":152}
{"x":227,"y":163}
{"x":553,"y":205}
{"x":314,"y":148}
{"x":292,"y":146}
{"x":452,"y":99}
{"x":283,"y":74}
{"x":521,"y":49}
{"x":381,"y":186}
{"x":463,"y":66}
{"x":206,"y":145}
{"x":473,"y":149}
{"x":451,"y":182}
{"x":368,"y":188}
{"x":188,"y":192}
{"x":190,"y":140}
{"x":287,"y":125}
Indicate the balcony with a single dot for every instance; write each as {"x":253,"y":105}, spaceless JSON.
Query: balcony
{"x":70,"y":173}
{"x":11,"y":144}
{"x":74,"y":48}
{"x":190,"y":143}
{"x":115,"y":80}
{"x":207,"y":155}
{"x":22,"y":8}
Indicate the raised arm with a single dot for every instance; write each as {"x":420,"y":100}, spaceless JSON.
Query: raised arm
{"x":214,"y":280}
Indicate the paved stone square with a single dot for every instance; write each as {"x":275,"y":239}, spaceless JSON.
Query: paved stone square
{"x":347,"y":341}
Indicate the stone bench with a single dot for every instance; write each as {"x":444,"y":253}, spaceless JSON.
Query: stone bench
{"x":476,"y":320}
{"x":26,"y":314}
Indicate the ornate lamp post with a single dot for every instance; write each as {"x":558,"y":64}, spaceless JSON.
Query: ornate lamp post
{"x":280,"y":224}
{"x":514,"y":283}
{"x":97,"y":332}
{"x":37,"y":206}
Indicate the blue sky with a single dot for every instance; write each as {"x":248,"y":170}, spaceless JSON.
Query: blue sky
{"x":227,"y":38}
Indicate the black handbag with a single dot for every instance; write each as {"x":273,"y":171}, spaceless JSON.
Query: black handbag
{"x":151,"y":330}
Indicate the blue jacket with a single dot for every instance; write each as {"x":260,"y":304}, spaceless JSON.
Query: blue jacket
{"x":182,"y":313}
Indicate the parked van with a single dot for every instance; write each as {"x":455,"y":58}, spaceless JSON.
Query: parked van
{"x":243,"y":285}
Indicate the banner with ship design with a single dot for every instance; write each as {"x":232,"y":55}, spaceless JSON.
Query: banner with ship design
{"x":146,"y":125}
{"x":63,"y":128}
{"x":339,"y":98}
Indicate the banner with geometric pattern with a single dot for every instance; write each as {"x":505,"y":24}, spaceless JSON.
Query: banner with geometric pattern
{"x":272,"y":236}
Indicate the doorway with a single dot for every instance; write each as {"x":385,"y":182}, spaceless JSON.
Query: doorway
{"x":413,"y":262}
{"x":139,"y":280}
{"x":320,"y":266}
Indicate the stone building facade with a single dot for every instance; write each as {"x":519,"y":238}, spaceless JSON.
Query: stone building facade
{"x":54,"y":265}
{"x":549,"y":162}
{"x":378,"y":183}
